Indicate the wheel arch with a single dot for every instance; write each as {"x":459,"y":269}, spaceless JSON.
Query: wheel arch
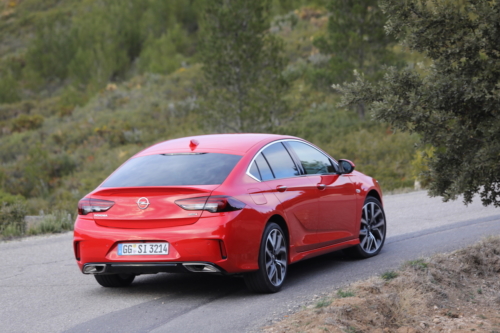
{"x":374,"y":194}
{"x":261,"y":280}
{"x":279,"y":220}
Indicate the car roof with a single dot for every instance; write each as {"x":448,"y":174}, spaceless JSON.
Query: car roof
{"x":238,"y":143}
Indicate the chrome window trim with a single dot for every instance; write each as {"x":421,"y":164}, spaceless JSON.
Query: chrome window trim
{"x":285,"y":140}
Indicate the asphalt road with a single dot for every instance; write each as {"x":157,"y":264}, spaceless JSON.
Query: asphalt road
{"x":42,"y":290}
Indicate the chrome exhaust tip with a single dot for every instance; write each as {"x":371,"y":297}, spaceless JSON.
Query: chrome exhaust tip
{"x":199,"y":267}
{"x":94,"y":268}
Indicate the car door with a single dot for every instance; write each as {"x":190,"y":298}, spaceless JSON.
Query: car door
{"x":298,"y":196}
{"x":337,"y":194}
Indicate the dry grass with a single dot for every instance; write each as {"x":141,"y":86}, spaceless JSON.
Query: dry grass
{"x":454,"y":292}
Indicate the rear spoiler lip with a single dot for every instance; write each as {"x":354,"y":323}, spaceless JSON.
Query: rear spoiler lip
{"x":159,"y":190}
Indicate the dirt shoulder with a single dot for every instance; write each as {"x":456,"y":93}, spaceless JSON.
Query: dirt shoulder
{"x":452,"y":292}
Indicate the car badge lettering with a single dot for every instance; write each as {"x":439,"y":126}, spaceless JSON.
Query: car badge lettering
{"x":143,"y":203}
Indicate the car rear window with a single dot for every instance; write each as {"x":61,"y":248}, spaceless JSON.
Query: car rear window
{"x":174,"y":170}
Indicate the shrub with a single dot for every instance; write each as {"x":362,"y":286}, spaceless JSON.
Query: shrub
{"x":9,"y":199}
{"x":389,"y":275}
{"x":52,"y":49}
{"x":56,"y":222}
{"x":8,"y":89}
{"x":323,"y":302}
{"x":61,"y":165}
{"x":345,"y":293}
{"x":163,"y":55}
{"x":419,"y":264}
{"x":27,"y":122}
{"x":12,"y":219}
{"x":420,"y":165}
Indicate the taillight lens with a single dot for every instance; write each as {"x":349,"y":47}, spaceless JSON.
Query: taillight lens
{"x":89,"y":205}
{"x":213,"y":204}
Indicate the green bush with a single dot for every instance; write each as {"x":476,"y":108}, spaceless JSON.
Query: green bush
{"x":164,"y":55}
{"x":52,"y":49}
{"x":389,"y":275}
{"x":419,"y":264}
{"x":160,"y":16}
{"x":420,"y":165}
{"x":13,"y":144}
{"x":37,"y":172}
{"x":323,"y":302}
{"x":7,"y":198}
{"x":69,"y":99}
{"x":12,"y":219}
{"x":345,"y":293}
{"x":56,"y":222}
{"x":26,"y":122}
{"x":8,"y":89}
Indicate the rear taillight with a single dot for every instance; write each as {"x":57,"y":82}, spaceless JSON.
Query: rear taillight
{"x":213,"y":204}
{"x":89,"y":205}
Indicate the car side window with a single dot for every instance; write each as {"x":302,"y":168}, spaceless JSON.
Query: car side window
{"x":265,"y":171}
{"x":254,"y":171}
{"x":280,"y":161}
{"x":313,"y":161}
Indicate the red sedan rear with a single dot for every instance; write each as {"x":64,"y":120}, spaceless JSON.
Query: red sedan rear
{"x":226,"y":204}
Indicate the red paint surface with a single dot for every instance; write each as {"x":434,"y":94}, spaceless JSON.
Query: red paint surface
{"x":318,"y":219}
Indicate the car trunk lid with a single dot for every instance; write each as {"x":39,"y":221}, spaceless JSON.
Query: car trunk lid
{"x":148,"y":207}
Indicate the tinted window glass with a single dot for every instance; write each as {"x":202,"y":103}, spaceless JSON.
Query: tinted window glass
{"x":265,"y":171}
{"x":313,"y":161}
{"x":175,"y":169}
{"x":254,"y":171}
{"x":280,"y":161}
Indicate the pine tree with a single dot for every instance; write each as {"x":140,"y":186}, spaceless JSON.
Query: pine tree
{"x":454,"y":103}
{"x":355,"y":40}
{"x":242,"y":65}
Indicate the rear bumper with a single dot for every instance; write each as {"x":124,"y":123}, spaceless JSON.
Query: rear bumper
{"x":138,"y":268}
{"x":229,"y":242}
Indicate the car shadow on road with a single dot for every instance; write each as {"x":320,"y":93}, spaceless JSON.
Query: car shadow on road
{"x":166,"y":297}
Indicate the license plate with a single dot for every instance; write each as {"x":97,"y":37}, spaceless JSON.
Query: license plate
{"x":135,"y":249}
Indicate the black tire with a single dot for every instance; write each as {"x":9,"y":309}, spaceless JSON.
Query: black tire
{"x":372,"y":230}
{"x":273,"y":262}
{"x":115,"y":280}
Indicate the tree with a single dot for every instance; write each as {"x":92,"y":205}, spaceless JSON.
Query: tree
{"x":242,"y":65}
{"x":356,"y":40}
{"x":454,"y":103}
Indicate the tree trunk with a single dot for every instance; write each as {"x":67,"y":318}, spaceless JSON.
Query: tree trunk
{"x":360,"y":108}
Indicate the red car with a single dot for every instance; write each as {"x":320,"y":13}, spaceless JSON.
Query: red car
{"x":247,"y":204}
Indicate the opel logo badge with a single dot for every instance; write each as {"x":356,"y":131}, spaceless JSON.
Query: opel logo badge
{"x":143,"y":203}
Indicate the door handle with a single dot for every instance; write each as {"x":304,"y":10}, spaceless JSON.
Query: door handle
{"x":321,"y":186}
{"x":281,"y":188}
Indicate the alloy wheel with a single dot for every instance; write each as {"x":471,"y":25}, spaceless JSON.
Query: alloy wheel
{"x":275,"y":257}
{"x":372,"y":233}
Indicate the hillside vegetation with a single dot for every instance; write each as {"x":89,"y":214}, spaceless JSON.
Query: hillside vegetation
{"x":449,"y":292}
{"x":86,"y":84}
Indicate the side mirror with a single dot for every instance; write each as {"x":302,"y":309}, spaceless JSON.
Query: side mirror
{"x":346,"y":166}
